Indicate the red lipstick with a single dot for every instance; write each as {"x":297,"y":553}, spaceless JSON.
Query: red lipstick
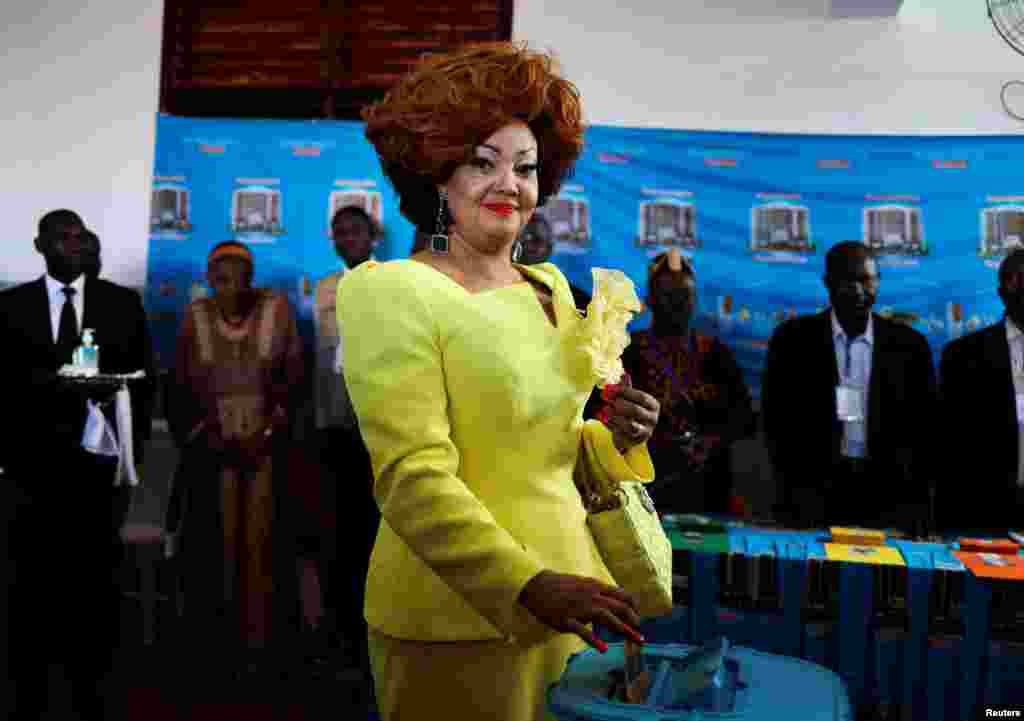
{"x":500,"y":208}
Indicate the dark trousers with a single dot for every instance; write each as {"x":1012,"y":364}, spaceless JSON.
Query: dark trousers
{"x":64,"y":553}
{"x":349,"y":484}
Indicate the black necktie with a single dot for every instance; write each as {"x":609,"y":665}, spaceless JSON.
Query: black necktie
{"x":67,"y":333}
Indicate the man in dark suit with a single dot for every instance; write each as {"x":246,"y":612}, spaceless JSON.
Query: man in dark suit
{"x":982,"y":392}
{"x":848,"y":400}
{"x":64,"y":534}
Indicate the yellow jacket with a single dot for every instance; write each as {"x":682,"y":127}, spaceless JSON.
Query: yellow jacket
{"x":471,"y":408}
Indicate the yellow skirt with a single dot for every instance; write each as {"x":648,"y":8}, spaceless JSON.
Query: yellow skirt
{"x":477,"y":680}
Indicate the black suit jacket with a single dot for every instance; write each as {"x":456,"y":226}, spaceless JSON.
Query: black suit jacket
{"x":977,"y":489}
{"x":799,"y":408}
{"x":43,"y":420}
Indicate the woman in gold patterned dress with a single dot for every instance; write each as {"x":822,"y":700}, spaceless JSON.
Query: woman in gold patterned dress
{"x":238,"y":381}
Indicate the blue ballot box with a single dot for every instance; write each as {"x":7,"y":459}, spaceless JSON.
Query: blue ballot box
{"x":688,"y":683}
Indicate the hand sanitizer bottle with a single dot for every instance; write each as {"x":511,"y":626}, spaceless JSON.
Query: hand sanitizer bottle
{"x":87,"y":355}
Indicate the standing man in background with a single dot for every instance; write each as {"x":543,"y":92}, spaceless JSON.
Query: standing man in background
{"x":701,"y":390}
{"x":349,"y":479}
{"x":982,"y":384}
{"x":64,"y":540}
{"x":849,"y":403}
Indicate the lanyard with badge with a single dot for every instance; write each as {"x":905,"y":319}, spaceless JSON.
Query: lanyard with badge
{"x":851,"y":398}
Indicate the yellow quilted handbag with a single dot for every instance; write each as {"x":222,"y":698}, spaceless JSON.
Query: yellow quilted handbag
{"x":635,"y":548}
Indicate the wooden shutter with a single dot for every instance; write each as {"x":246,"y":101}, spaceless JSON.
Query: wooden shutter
{"x":307,"y":58}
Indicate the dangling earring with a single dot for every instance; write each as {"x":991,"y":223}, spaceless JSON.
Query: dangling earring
{"x":517,"y":250}
{"x":439,"y":240}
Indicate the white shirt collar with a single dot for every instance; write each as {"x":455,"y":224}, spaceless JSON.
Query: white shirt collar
{"x":1013,"y":333}
{"x":869,"y":331}
{"x":54,"y":286}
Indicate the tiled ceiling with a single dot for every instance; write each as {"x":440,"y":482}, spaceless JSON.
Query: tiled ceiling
{"x":309,"y":58}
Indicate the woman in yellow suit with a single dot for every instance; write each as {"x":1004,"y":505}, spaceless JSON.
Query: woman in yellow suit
{"x":468,"y":376}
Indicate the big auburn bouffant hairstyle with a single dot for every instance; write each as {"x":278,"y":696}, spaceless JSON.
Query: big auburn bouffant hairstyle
{"x":434,"y":119}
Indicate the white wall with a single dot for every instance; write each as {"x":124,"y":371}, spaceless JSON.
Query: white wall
{"x":779,"y":65}
{"x":80,"y":83}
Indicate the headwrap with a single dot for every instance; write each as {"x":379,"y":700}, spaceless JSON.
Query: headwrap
{"x":674,"y":261}
{"x":230,"y":249}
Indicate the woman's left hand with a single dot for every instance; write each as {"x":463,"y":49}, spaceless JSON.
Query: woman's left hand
{"x":631,"y":415}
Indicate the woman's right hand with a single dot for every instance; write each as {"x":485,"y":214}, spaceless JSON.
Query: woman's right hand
{"x":567,"y":603}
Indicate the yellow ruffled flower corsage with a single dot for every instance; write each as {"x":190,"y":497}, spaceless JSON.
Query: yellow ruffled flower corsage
{"x":602,"y":332}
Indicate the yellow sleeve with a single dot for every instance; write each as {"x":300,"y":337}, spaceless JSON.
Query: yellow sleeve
{"x":394,"y":373}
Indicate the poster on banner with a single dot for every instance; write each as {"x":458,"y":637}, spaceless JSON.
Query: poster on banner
{"x":754,"y":214}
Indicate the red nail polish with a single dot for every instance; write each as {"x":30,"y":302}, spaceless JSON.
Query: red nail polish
{"x":601,"y":645}
{"x":634,"y":635}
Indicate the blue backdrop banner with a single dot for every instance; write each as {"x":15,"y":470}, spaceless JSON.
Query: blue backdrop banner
{"x":754,"y":213}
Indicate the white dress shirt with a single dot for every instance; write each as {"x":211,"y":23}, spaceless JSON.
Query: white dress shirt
{"x":853,"y":358}
{"x":1015,"y":339}
{"x":54,"y":289}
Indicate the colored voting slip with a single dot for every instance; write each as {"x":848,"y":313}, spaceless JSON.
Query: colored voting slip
{"x":857,"y":536}
{"x":700,"y":542}
{"x":993,"y":565}
{"x":879,"y":555}
{"x":989,"y":545}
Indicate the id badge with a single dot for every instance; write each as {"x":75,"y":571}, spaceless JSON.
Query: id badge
{"x":851,"y":403}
